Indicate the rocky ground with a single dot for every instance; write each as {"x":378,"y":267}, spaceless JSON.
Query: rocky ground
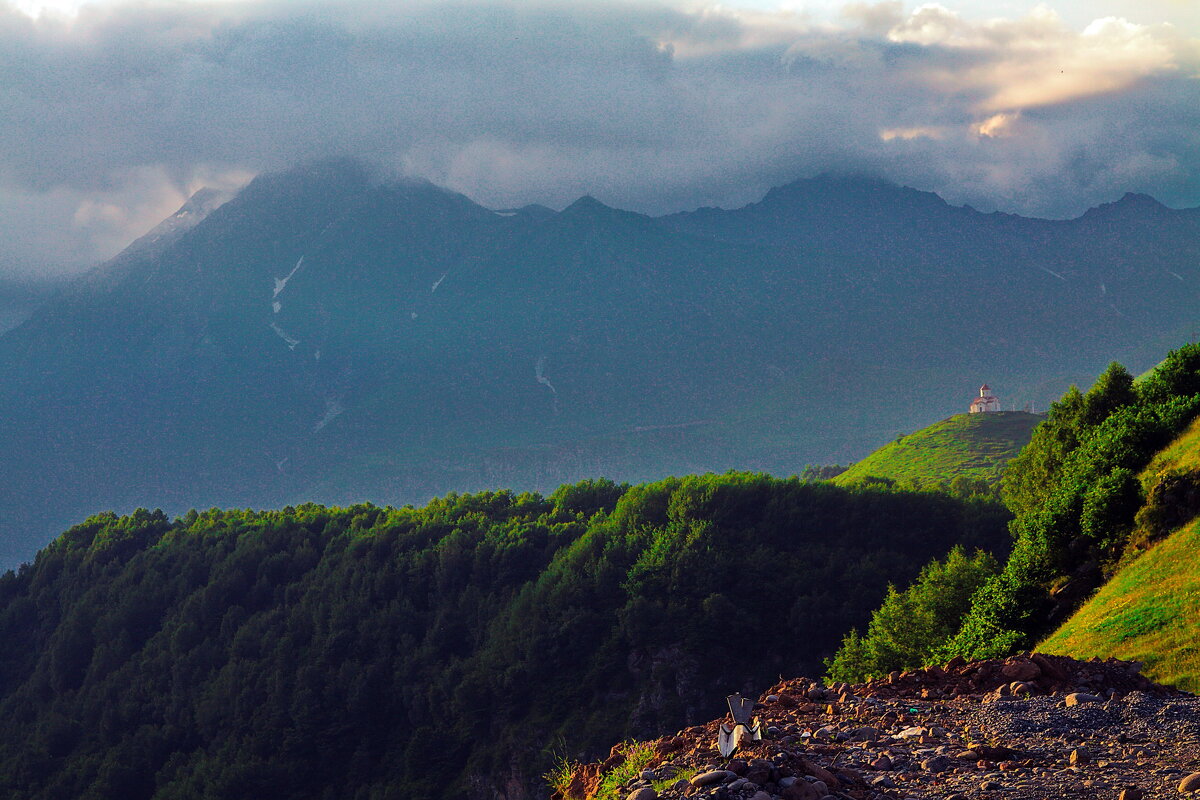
{"x":1031,"y":727}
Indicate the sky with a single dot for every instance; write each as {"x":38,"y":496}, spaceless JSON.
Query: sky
{"x":113,"y":111}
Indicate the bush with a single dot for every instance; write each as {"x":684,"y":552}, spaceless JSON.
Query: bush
{"x":913,"y":625}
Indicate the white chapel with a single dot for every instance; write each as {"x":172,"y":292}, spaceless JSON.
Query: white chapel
{"x":986,"y":401}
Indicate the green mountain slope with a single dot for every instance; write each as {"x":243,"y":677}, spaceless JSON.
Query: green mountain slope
{"x":1149,"y":610}
{"x":974,"y":446}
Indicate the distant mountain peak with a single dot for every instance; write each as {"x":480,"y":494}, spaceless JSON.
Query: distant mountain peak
{"x":861,"y":191}
{"x":587,"y":205}
{"x":1131,"y":204}
{"x":591,"y":209}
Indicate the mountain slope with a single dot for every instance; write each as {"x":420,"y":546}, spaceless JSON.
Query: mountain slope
{"x":1148,"y":610}
{"x":972,"y":446}
{"x":326,"y":335}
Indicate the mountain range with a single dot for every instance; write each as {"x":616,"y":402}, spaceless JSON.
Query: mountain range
{"x":327,"y":335}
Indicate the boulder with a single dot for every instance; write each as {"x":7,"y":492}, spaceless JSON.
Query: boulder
{"x":1021,"y":670}
{"x":937,"y":764}
{"x":712,"y":778}
{"x":800,"y":790}
{"x":818,"y":772}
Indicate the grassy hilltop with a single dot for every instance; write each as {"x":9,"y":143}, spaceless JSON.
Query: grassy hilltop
{"x":975,"y":446}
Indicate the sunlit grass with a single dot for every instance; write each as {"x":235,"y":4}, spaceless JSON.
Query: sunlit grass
{"x":1148,"y":612}
{"x":973,"y":445}
{"x":1183,"y":453}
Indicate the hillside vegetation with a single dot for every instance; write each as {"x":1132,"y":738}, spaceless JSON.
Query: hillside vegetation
{"x":1105,"y":476}
{"x":1149,"y":611}
{"x":445,"y":651}
{"x":970,"y":449}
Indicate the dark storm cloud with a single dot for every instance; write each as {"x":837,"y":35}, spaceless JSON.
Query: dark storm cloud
{"x":110,"y":119}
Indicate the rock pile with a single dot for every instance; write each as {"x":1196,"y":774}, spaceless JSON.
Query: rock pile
{"x":1029,"y":674}
{"x":1031,"y":727}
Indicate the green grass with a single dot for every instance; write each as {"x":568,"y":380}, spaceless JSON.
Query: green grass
{"x":1149,"y":612}
{"x":976,"y":446}
{"x":559,"y":776}
{"x":637,"y":756}
{"x":1181,"y":454}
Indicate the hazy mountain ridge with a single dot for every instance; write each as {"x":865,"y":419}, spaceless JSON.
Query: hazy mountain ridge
{"x":398,"y":340}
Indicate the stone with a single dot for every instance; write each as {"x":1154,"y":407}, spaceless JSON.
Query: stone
{"x":865,"y":734}
{"x":882,"y":763}
{"x":1079,"y":756}
{"x":826,"y":732}
{"x":772,"y":698}
{"x":846,"y":775}
{"x":760,"y":795}
{"x":996,"y":753}
{"x":1021,"y":671}
{"x":645,"y":793}
{"x":712,"y":778}
{"x":818,"y":772}
{"x":1131,"y":793}
{"x":1077,"y":698}
{"x":937,"y":764}
{"x":1191,"y":783}
{"x":758,"y":773}
{"x":800,"y":790}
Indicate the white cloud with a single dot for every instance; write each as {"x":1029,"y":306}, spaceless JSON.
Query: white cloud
{"x":109,"y":118}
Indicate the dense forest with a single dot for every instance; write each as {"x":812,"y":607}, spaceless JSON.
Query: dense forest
{"x":1081,"y":506}
{"x":445,"y":651}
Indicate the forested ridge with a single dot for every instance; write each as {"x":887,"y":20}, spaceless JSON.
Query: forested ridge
{"x":445,"y":651}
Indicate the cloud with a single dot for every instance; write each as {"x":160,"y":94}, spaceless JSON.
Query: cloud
{"x":112,"y":116}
